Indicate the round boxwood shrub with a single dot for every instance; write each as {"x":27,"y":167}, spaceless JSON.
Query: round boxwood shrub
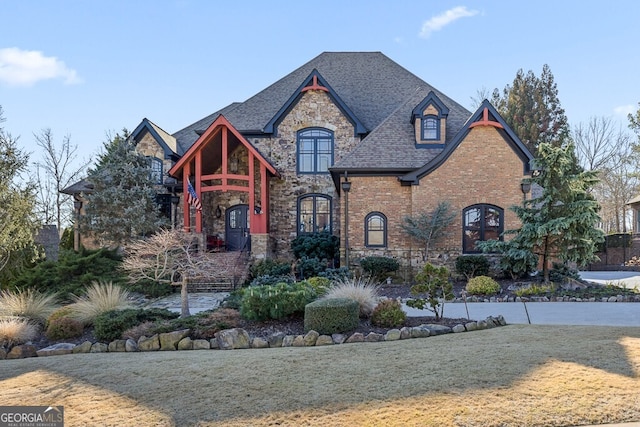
{"x":331,"y":315}
{"x":388,"y":314}
{"x":482,"y":285}
{"x":61,"y":328}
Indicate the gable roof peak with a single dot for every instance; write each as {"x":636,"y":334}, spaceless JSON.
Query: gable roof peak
{"x":314,"y":81}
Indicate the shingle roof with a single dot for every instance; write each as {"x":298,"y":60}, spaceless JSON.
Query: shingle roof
{"x":375,"y":88}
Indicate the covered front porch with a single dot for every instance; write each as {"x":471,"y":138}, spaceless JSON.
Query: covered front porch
{"x":230,"y":179}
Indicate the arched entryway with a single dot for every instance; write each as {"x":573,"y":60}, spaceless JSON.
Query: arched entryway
{"x":237,"y":228}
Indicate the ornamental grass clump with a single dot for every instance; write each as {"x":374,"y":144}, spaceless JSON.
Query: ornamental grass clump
{"x":359,"y":289}
{"x":17,"y":330}
{"x":29,"y":303}
{"x":100,"y":297}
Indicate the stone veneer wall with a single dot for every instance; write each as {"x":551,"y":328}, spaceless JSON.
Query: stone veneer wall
{"x":314,"y":109}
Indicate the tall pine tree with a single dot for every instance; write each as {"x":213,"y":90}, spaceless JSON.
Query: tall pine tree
{"x":122,"y":204}
{"x":531,"y":107}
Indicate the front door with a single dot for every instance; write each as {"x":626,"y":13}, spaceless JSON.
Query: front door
{"x":237,"y":228}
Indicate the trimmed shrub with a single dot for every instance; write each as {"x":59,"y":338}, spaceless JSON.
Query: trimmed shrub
{"x":319,"y":284}
{"x":275,"y":302}
{"x":363,"y":291}
{"x":29,"y":303}
{"x":61,"y":328}
{"x":110,"y":326}
{"x":270,"y":267}
{"x":379,"y":267}
{"x":559,"y":273}
{"x":482,"y":285}
{"x":472,"y":265}
{"x":100,"y":298}
{"x":331,"y":316}
{"x":271,"y":280}
{"x":16,"y":330}
{"x":310,"y":267}
{"x":316,"y":245}
{"x":388,"y":314}
{"x":334,"y":274}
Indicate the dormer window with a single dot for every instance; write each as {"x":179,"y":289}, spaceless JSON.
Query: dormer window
{"x":430,"y":122}
{"x":430,"y":128}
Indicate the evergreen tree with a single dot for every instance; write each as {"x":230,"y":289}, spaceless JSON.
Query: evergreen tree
{"x":561,"y":223}
{"x":18,"y":223}
{"x":122,"y":204}
{"x":531,"y":107}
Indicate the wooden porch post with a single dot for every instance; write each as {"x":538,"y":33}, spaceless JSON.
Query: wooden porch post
{"x":186,"y":217}
{"x":199,"y":190}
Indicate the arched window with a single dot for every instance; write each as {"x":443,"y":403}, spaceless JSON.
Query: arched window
{"x":375,"y":230}
{"x":480,"y":223}
{"x":315,"y":150}
{"x":156,"y":169}
{"x":430,"y":128}
{"x":314,"y":214}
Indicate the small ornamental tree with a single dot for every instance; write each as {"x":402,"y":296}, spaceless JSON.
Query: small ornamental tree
{"x":432,"y":288}
{"x":430,"y":226}
{"x":171,"y":256}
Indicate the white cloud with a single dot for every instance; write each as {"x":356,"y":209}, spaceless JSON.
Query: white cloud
{"x":438,"y":22}
{"x":624,"y":110}
{"x":27,"y":67}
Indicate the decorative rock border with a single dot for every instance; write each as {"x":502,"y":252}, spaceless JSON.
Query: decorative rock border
{"x":238,"y":338}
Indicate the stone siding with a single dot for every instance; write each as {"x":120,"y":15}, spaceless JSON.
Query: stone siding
{"x":314,"y":109}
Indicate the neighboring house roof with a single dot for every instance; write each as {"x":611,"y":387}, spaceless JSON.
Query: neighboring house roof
{"x":370,"y":84}
{"x":82,"y":186}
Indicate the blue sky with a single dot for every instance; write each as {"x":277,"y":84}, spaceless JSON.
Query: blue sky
{"x":85,"y":68}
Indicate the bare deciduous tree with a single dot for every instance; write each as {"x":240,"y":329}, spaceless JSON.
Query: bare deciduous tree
{"x":609,"y":151}
{"x":171,"y":256}
{"x":54,"y":172}
{"x":598,"y":143}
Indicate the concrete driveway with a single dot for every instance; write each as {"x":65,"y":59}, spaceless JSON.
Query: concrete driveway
{"x":556,"y":313}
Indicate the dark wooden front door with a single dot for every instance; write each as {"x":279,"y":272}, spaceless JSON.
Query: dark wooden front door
{"x":237,"y":228}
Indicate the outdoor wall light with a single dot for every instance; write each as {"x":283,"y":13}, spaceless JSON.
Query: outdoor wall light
{"x":218,"y":212}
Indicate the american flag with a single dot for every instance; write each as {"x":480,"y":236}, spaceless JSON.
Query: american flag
{"x":192,"y":197}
